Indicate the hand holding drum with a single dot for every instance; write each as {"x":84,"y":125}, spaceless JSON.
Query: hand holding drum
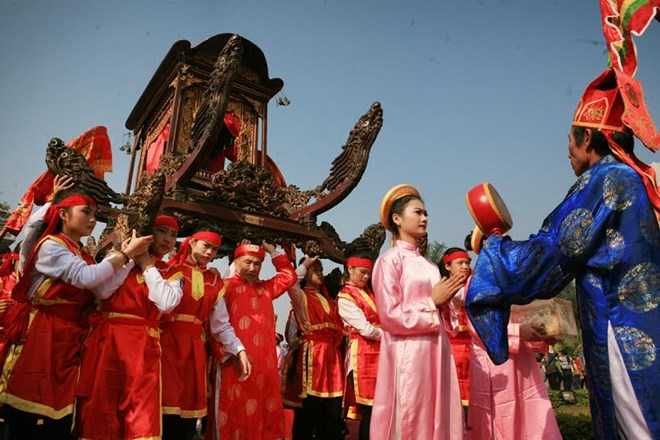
{"x":489,"y":213}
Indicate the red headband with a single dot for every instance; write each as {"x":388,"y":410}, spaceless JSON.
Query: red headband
{"x":184,"y":249}
{"x":75,"y":200}
{"x":52,"y":220}
{"x":208,"y":236}
{"x":455,"y":256}
{"x":359,"y":262}
{"x":168,"y":221}
{"x":250,"y":249}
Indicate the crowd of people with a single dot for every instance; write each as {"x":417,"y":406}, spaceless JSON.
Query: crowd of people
{"x":563,"y":371}
{"x":152,"y":340}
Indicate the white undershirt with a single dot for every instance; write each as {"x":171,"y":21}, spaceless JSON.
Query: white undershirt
{"x":354,"y":317}
{"x":54,"y":260}
{"x":222,"y":330}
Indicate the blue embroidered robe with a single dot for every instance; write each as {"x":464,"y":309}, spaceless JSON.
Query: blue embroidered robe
{"x":605,"y":236}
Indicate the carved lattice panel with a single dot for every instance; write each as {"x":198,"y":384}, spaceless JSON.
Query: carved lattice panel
{"x":249,"y":135}
{"x":191,"y":100}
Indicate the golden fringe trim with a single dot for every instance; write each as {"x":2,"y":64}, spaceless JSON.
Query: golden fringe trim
{"x":184,"y":413}
{"x":36,"y":408}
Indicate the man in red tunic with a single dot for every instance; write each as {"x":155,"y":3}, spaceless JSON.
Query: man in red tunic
{"x":47,"y":323}
{"x":457,"y":260}
{"x":357,"y":308}
{"x":119,"y":390}
{"x":320,"y":362}
{"x":183,"y":337}
{"x":252,"y":409}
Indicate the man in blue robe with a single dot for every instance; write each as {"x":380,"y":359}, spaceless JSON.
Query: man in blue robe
{"x":604,"y":234}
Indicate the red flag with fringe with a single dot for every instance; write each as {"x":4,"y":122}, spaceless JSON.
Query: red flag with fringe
{"x":94,"y":144}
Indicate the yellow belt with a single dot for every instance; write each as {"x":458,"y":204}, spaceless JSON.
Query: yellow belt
{"x":151,"y":330}
{"x":181,"y":317}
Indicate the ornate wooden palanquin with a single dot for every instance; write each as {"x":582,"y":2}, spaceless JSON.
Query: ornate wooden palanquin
{"x":189,"y":95}
{"x":177,"y":90}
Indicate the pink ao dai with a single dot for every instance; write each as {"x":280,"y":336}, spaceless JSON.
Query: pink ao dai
{"x":417,"y":394}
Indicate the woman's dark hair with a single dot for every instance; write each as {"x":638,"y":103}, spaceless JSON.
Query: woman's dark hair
{"x":398,"y":207}
{"x":599,"y":142}
{"x":303,"y":282}
{"x":468,"y":242}
{"x":443,"y":271}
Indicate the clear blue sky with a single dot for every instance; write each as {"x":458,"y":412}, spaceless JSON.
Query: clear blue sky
{"x":472,"y":90}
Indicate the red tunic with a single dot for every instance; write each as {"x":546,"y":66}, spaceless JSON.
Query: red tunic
{"x":252,"y":410}
{"x":42,"y":372}
{"x":320,"y":360}
{"x":119,"y":387}
{"x":183,"y":341}
{"x":363,"y":351}
{"x":8,"y":280}
{"x":461,"y":345}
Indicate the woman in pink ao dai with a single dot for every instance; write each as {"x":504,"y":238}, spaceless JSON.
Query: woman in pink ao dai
{"x":417,"y":394}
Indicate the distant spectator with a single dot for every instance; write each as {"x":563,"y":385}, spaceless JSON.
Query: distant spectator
{"x":566,"y":369}
{"x":578,"y":367}
{"x":552,"y":371}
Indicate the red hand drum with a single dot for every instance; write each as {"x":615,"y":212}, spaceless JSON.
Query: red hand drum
{"x":488,"y":210}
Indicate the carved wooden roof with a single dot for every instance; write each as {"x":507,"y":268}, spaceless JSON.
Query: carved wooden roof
{"x":202,"y":56}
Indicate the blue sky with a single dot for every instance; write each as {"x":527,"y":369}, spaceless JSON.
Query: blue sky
{"x":472,"y":91}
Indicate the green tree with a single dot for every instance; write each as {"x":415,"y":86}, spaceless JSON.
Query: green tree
{"x":4,"y":213}
{"x":435,"y":250}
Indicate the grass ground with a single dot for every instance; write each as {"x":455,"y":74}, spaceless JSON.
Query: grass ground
{"x":574,"y":419}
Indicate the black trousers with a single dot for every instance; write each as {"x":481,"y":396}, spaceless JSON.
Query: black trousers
{"x":555,"y":380}
{"x":178,"y":428}
{"x":365,"y":421}
{"x":319,"y":418}
{"x":28,"y":426}
{"x":567,"y":379}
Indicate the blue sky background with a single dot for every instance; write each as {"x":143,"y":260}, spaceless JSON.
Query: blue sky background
{"x":472,"y":90}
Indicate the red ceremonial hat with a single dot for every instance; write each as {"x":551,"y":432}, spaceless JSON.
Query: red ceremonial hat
{"x":359,"y":262}
{"x":614,"y":102}
{"x":601,"y":106}
{"x":167,"y":221}
{"x":250,"y":249}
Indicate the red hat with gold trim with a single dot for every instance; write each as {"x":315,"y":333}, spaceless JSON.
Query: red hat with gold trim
{"x":601,"y":106}
{"x":614,"y":101}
